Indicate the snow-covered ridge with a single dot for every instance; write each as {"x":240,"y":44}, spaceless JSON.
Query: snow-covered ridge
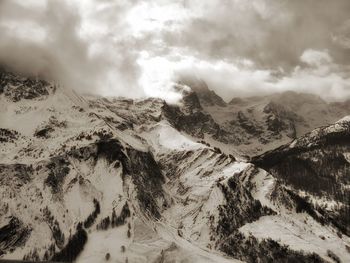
{"x":93,"y":179}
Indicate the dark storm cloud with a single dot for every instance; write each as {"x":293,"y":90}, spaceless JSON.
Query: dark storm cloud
{"x":272,"y":33}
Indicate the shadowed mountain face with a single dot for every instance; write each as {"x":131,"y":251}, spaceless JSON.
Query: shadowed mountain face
{"x":206,"y":96}
{"x":90,"y":179}
{"x":256,"y":124}
{"x":16,"y":87}
{"x":317,"y":163}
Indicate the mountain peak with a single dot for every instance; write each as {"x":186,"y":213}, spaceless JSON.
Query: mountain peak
{"x":206,"y":96}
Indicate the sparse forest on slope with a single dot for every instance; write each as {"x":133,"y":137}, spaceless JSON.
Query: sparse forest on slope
{"x":94,"y":179}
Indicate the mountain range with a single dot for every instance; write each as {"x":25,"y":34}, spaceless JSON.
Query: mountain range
{"x":94,"y":179}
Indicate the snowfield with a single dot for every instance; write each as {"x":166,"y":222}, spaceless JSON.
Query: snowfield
{"x":300,"y":232}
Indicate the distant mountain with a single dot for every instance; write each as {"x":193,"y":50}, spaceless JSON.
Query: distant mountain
{"x":256,"y":124}
{"x":93,"y":179}
{"x":206,"y":96}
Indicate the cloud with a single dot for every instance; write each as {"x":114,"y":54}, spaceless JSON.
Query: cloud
{"x":342,"y":35}
{"x":136,"y":48}
{"x":288,"y":28}
{"x":51,"y":40}
{"x":315,"y":57}
{"x":288,"y":45}
{"x":319,"y":74}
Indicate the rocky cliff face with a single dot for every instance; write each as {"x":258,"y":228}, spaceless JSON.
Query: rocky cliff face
{"x":86,"y":179}
{"x":16,"y":88}
{"x":257,"y":124}
{"x":206,"y":96}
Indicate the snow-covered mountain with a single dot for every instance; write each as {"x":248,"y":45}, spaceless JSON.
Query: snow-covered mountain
{"x":256,"y":124}
{"x":111,"y":179}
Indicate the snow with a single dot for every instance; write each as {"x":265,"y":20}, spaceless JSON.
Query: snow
{"x":300,"y":232}
{"x":234,"y":168}
{"x":293,"y":144}
{"x":102,"y":242}
{"x":347,"y":156}
{"x":238,"y":152}
{"x":188,"y":250}
{"x":163,"y":137}
{"x":345,"y":119}
{"x":321,"y":201}
{"x":147,"y":244}
{"x":195,"y":195}
{"x":264,"y":184}
{"x":191,"y":187}
{"x":26,"y":115}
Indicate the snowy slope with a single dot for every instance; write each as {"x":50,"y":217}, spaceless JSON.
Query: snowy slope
{"x":88,"y":178}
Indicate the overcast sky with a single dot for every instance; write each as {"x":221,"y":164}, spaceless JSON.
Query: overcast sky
{"x":135,"y":48}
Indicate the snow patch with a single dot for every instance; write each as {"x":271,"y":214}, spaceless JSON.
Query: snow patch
{"x":300,"y":232}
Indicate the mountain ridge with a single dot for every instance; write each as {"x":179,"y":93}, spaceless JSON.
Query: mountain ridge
{"x":254,"y":125}
{"x":141,"y":181}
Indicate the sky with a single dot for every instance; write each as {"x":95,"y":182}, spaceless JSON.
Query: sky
{"x":136,"y":48}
